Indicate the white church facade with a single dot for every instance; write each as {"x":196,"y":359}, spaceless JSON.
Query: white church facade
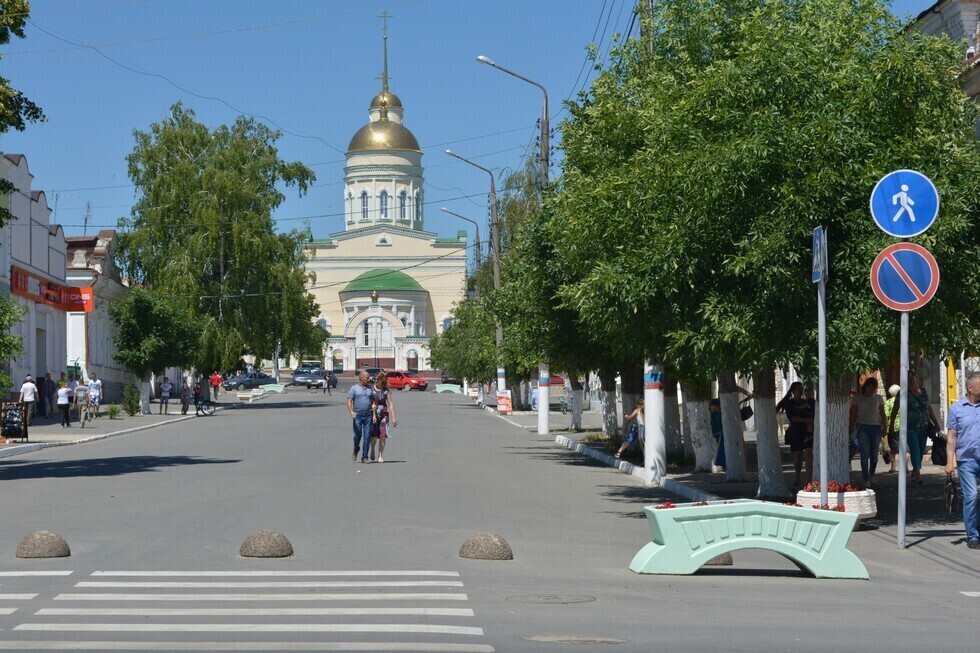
{"x":384,"y":284}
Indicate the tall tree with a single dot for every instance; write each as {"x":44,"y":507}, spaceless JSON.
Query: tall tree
{"x":202,"y":231}
{"x":152,"y":333}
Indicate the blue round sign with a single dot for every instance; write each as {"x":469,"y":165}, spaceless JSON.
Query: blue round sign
{"x":904,"y":203}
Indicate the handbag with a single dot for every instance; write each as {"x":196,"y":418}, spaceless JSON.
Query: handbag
{"x":746,"y":410}
{"x":939,"y":456}
{"x":886,"y":454}
{"x":951,"y":492}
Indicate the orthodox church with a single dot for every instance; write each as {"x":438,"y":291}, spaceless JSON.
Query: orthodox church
{"x":384,"y":284}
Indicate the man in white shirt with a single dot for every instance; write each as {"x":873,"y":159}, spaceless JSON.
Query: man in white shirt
{"x":28,"y":397}
{"x":95,"y":395}
{"x":165,"y":389}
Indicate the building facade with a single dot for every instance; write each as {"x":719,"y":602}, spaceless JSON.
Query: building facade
{"x":32,"y":271}
{"x":384,"y":284}
{"x":92,"y":272}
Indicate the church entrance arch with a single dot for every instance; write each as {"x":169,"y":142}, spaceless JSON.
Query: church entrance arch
{"x":412,"y":361}
{"x":338,"y":360}
{"x":374,"y":333}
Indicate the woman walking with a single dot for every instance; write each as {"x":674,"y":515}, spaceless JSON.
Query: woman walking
{"x":64,"y":403}
{"x":186,"y":395}
{"x":385,"y":408}
{"x":867,"y":419}
{"x":637,"y":430}
{"x":800,"y":431}
{"x":921,"y":417}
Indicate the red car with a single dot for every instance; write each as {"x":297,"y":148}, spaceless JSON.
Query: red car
{"x":406,"y":381}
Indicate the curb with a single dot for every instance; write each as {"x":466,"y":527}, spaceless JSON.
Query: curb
{"x":19,"y":449}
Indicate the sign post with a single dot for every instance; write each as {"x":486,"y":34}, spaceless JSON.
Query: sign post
{"x":819,"y":277}
{"x":904,"y":277}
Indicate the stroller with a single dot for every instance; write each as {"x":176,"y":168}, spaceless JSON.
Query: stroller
{"x":12,"y":421}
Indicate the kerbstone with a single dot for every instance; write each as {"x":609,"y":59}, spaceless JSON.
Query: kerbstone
{"x":266,"y":544}
{"x":486,"y":546}
{"x":43,"y":544}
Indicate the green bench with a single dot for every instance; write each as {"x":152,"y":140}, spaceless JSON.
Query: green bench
{"x":688,"y":535}
{"x":448,"y":387}
{"x":278,"y":388}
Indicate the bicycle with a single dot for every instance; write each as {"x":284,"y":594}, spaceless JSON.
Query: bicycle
{"x":206,"y":407}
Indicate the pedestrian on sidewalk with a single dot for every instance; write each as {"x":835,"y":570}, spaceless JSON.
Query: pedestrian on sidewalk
{"x":963,"y":446}
{"x":868,"y":418}
{"x":922,"y":418}
{"x":64,"y":404}
{"x":48,"y":392}
{"x":28,"y":397}
{"x":799,"y":432}
{"x":331,"y":383}
{"x":385,"y":416}
{"x":360,"y":404}
{"x":893,"y":411}
{"x":186,"y":395}
{"x":165,"y":388}
{"x":197,"y":399}
{"x":94,"y":394}
{"x":637,"y":429}
{"x":215,"y":384}
{"x":718,"y":433}
{"x":72,"y":384}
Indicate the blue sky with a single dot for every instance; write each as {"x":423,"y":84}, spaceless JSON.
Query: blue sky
{"x":311,"y":67}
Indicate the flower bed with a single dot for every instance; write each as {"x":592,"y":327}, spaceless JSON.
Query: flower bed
{"x":840,"y":497}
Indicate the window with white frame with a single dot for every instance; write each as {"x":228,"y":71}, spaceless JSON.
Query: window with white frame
{"x":364,"y":205}
{"x":383,"y":205}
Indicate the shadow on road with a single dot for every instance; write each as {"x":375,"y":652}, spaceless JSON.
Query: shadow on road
{"x":553,"y":454}
{"x":15,"y":470}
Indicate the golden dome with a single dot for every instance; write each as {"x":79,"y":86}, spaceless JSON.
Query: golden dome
{"x":393,"y":100}
{"x":383,"y":135}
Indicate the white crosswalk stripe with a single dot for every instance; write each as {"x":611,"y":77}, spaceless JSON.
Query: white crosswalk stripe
{"x":371,"y":611}
{"x":971,"y":594}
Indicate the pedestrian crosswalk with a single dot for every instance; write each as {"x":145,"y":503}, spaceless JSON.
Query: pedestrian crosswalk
{"x":249,"y":610}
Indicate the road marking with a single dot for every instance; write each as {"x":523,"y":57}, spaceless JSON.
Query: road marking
{"x":404,"y":596}
{"x":193,"y":574}
{"x":246,"y":612}
{"x":17,"y":597}
{"x":35,"y":573}
{"x":268,"y":584}
{"x":8,"y":610}
{"x":971,"y":594}
{"x":253,"y":628}
{"x":245,"y":646}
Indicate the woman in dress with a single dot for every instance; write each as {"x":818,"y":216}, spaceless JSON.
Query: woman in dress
{"x":799,"y":413}
{"x":386,"y":416}
{"x":921,"y":416}
{"x":186,"y":395}
{"x":868,"y":419}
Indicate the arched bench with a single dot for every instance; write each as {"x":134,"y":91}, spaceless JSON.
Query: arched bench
{"x":688,"y":535}
{"x":448,"y":387}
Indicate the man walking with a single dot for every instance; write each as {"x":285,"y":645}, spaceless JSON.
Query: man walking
{"x":360,"y":403}
{"x":963,"y":445}
{"x":95,"y":395}
{"x":215,"y":384}
{"x":28,"y":397}
{"x":165,"y":389}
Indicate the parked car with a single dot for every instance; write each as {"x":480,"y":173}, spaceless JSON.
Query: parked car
{"x":309,"y":378}
{"x":399,"y":380}
{"x":372,"y":371}
{"x":448,"y":379}
{"x":248,"y":381}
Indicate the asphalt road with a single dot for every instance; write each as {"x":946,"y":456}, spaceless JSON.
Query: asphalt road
{"x":376,"y":563}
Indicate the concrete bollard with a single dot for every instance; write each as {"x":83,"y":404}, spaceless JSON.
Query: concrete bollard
{"x":266,"y":544}
{"x":43,"y":544}
{"x":486,"y":546}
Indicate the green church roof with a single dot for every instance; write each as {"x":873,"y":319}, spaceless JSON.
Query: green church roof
{"x":383,"y":280}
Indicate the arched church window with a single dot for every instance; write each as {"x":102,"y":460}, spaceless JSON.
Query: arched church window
{"x":384,"y":205}
{"x":364,"y":205}
{"x":403,"y":206}
{"x":367,"y":333}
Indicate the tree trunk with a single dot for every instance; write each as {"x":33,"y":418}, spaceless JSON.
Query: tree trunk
{"x":732,"y":428}
{"x":610,"y":417}
{"x":772,"y":485}
{"x":576,"y":402}
{"x":145,"y":390}
{"x":686,"y":426}
{"x":838,"y":411}
{"x":672,"y":415}
{"x":632,"y":386}
{"x":696,"y":397}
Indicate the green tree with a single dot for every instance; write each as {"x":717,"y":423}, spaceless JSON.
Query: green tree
{"x":202,"y":231}
{"x":701,"y":160}
{"x":152,"y":333}
{"x":11,"y":346}
{"x":468,"y":348}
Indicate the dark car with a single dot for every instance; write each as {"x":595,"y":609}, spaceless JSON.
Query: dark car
{"x":248,"y":381}
{"x":372,"y":371}
{"x":448,"y":379}
{"x":398,"y":380}
{"x":308,"y":377}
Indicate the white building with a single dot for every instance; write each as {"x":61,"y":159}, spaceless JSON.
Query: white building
{"x":92,"y":273}
{"x":32,"y":270}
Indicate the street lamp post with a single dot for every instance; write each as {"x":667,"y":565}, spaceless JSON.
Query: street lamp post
{"x":495,"y":243}
{"x":544,"y":372}
{"x":476,"y":245}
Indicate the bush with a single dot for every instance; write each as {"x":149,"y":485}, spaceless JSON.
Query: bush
{"x":131,"y":399}
{"x":113,"y":411}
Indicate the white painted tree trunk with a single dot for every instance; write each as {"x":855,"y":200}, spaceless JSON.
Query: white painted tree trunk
{"x":672,"y":424}
{"x":731,"y":422}
{"x":701,"y":440}
{"x":145,"y":390}
{"x":771,"y":481}
{"x":686,"y":426}
{"x":610,"y":417}
{"x":838,"y":456}
{"x":576,"y":401}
